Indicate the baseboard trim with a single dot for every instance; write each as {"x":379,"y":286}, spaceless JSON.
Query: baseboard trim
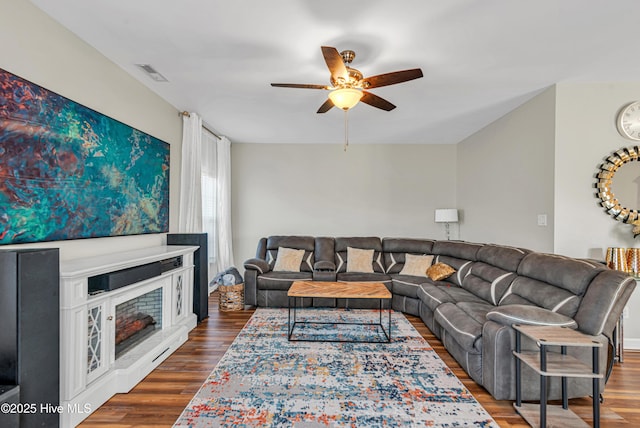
{"x":632,"y":344}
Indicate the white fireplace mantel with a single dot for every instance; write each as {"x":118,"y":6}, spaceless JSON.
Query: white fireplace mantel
{"x":89,"y":372}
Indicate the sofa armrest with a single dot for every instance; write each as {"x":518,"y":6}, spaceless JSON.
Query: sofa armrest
{"x":531,"y":315}
{"x":259,"y":265}
{"x":324,"y":265}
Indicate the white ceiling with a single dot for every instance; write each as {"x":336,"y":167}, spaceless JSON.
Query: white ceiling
{"x":480,"y":59}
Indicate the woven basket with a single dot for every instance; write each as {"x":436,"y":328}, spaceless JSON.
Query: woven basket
{"x":231,"y":297}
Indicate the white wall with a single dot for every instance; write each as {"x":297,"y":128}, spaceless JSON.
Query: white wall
{"x":506,"y":176}
{"x":586,"y":134}
{"x":319,"y":190}
{"x":40,"y":50}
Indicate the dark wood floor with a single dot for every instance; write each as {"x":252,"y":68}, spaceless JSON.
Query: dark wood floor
{"x":159,"y":399}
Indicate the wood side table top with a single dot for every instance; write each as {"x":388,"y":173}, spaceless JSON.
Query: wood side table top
{"x":553,"y":335}
{"x":339,"y":290}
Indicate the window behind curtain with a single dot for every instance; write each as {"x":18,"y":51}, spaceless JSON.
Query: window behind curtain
{"x":209,"y":191}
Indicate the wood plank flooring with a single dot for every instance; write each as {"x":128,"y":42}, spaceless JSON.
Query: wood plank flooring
{"x":159,"y":399}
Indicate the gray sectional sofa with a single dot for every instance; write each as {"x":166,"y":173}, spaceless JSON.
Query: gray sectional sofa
{"x":471,"y":311}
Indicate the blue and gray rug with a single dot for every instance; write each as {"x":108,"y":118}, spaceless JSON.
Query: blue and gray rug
{"x":264,"y":380}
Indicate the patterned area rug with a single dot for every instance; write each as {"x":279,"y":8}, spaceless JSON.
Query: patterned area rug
{"x":264,"y":380}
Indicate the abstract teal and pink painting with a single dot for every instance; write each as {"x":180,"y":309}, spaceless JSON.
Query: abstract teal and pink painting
{"x":69,"y":172}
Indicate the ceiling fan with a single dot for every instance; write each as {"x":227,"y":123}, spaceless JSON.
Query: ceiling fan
{"x":348,"y":86}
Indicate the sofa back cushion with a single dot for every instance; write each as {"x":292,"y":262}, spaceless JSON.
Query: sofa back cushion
{"x":363,"y":243}
{"x":495,"y":269}
{"x":604,"y":301}
{"x":306,"y":243}
{"x":325,"y":249}
{"x":394,"y":251}
{"x":457,"y":254}
{"x":551,"y":281}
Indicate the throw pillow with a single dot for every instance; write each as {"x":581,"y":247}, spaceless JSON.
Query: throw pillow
{"x":359,"y":260}
{"x":288,"y":260}
{"x":440,"y":271}
{"x":416,"y":265}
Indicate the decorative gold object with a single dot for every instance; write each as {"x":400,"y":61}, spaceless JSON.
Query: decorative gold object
{"x":603,"y":185}
{"x":633,"y":261}
{"x":617,"y":258}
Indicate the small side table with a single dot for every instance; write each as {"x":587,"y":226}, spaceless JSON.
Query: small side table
{"x":553,"y":364}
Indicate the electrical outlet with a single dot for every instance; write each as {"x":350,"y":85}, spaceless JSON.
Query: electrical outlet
{"x":625,"y":313}
{"x":542,"y":219}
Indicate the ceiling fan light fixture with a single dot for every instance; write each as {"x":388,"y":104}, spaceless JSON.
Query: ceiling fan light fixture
{"x":345,"y":98}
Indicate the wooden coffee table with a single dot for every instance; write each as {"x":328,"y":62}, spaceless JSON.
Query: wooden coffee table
{"x":337,"y":290}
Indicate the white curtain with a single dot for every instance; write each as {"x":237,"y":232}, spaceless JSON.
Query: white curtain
{"x":210,"y":196}
{"x":223,"y":206}
{"x":216,"y":200}
{"x":190,"y":210}
{"x":205,"y":191}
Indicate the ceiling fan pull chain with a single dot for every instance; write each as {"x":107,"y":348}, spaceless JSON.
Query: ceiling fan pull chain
{"x":346,"y":129}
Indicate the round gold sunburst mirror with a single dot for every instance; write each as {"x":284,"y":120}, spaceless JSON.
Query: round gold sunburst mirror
{"x":618,"y":188}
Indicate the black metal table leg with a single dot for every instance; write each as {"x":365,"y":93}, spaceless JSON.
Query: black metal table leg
{"x":596,"y":389}
{"x":543,"y":386}
{"x":565,"y":398}
{"x":518,"y":371}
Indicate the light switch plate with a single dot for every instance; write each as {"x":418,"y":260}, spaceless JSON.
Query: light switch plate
{"x":542,"y":219}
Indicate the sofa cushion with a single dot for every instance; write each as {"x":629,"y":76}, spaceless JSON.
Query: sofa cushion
{"x":395,"y":251}
{"x":359,"y":260}
{"x":573,"y":275}
{"x":363,"y":277}
{"x":457,"y":249}
{"x":490,"y":276}
{"x":324,"y":250}
{"x":531,"y":315}
{"x":288,"y":260}
{"x":440,"y":271}
{"x":527,"y":291}
{"x":487,"y":281}
{"x":281,"y":280}
{"x":552,"y":282}
{"x":416,"y":265}
{"x":433,"y":295}
{"x":406,"y":285}
{"x":606,"y":296}
{"x":501,"y":256}
{"x":306,"y":243}
{"x":365,"y":243}
{"x":463,"y":322}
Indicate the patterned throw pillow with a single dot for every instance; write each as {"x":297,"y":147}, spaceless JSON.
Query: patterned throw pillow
{"x":288,"y":260}
{"x":359,"y":260}
{"x":440,"y":271}
{"x":416,"y":265}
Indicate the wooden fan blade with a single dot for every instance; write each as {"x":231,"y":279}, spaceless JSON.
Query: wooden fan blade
{"x":376,"y":101}
{"x":334,"y":62}
{"x":328,"y":105}
{"x":299,"y":86}
{"x":391,"y":78}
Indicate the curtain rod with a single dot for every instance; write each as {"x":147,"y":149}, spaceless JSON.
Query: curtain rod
{"x":187,"y":114}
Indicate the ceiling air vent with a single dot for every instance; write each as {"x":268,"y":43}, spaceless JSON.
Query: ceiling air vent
{"x":152,"y":72}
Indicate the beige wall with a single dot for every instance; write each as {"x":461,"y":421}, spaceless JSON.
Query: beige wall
{"x":38,"y":49}
{"x":506,"y":176}
{"x":319,"y":190}
{"x":586,"y":134}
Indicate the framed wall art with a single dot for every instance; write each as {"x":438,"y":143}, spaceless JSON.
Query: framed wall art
{"x":69,"y":172}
